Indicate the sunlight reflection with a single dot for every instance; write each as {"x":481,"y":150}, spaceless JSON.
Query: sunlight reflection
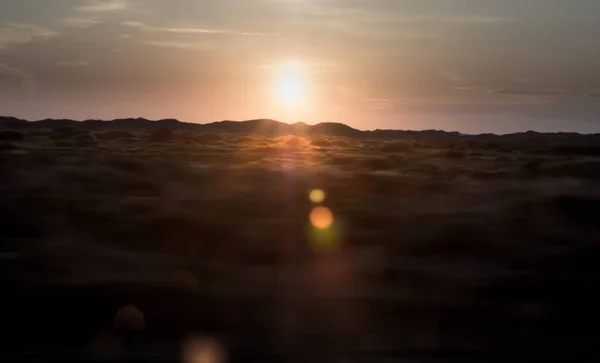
{"x":317,"y":196}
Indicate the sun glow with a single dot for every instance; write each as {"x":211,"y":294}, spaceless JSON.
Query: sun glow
{"x":290,"y":86}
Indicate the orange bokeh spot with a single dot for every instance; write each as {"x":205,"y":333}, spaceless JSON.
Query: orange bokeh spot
{"x":321,"y":217}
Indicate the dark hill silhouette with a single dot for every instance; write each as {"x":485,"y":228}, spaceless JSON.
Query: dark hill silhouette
{"x":272,"y":128}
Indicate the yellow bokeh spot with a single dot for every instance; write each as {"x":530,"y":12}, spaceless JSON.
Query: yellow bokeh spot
{"x":317,"y":196}
{"x":321,"y":217}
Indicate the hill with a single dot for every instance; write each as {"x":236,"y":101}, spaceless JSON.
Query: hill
{"x":272,"y":128}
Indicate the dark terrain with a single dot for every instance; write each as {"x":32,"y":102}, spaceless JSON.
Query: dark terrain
{"x":121,"y":239}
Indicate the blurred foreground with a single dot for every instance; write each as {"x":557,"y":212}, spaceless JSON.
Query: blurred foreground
{"x":137,"y":246}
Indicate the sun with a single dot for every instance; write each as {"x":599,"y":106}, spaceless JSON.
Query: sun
{"x":290,"y":82}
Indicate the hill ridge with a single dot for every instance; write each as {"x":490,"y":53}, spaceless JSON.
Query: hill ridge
{"x":269,"y":127}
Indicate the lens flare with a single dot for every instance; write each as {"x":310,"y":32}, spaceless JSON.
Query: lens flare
{"x":129,"y":318}
{"x":203,"y":350}
{"x":321,"y":217}
{"x":317,"y":196}
{"x":325,"y":240}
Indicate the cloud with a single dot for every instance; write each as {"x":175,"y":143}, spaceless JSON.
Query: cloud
{"x":168,"y":44}
{"x":527,"y":92}
{"x":22,"y":33}
{"x":24,"y":79}
{"x":424,"y":18}
{"x":79,"y":22}
{"x":521,"y":80}
{"x":450,"y":75}
{"x":381,"y":104}
{"x":103,"y":5}
{"x":593,"y":94}
{"x":187,"y":30}
{"x":471,"y":88}
{"x":142,"y":26}
{"x":478,"y":19}
{"x":78,"y":63}
{"x":174,"y":44}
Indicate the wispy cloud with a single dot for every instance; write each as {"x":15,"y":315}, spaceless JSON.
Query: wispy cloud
{"x":527,"y":92}
{"x":25,"y":79}
{"x":103,"y":5}
{"x":76,"y":63}
{"x":168,"y":44}
{"x":426,"y":18}
{"x":79,"y":22}
{"x":521,"y":80}
{"x":22,"y":33}
{"x":187,"y":30}
{"x":477,"y":19}
{"x":593,"y":94}
{"x":381,"y":104}
{"x":451,"y":75}
{"x":471,"y":88}
{"x":174,"y":44}
{"x":533,"y":96}
{"x":144,"y":27}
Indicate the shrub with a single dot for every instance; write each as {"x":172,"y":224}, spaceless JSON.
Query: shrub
{"x":456,"y":154}
{"x":397,"y":147}
{"x":116,"y":135}
{"x":11,"y":135}
{"x":5,"y":146}
{"x":583,"y":169}
{"x":591,"y":150}
{"x":576,"y":208}
{"x":85,"y":139}
{"x":67,"y":131}
{"x":492,"y":145}
{"x":376,"y":163}
{"x":434,"y":143}
{"x":63,"y":143}
{"x":503,"y":159}
{"x":472,"y":144}
{"x":320,"y":142}
{"x":128,"y":164}
{"x":341,"y":160}
{"x":161,"y":135}
{"x":339,"y":143}
{"x":506,"y":149}
{"x":208,"y":138}
{"x":246,"y":140}
{"x":397,"y":160}
{"x":295,"y":141}
{"x":533,"y":165}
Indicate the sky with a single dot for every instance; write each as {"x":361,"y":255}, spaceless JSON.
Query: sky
{"x":473,"y":66}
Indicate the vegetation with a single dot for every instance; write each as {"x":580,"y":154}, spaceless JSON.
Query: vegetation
{"x":486,"y":235}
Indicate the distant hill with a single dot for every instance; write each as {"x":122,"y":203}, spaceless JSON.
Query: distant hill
{"x":272,"y":128}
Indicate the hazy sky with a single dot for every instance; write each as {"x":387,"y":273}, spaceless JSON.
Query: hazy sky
{"x":466,"y":65}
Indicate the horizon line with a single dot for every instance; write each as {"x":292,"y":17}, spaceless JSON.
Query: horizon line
{"x":299,"y":122}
